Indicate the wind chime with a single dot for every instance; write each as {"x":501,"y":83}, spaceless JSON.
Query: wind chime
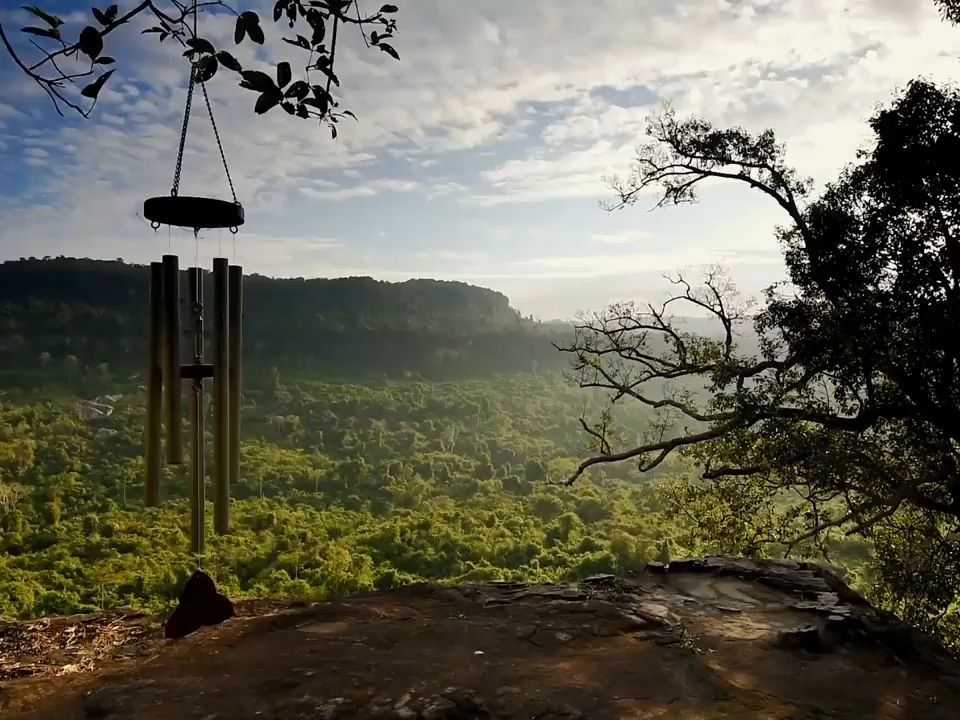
{"x":166,"y":371}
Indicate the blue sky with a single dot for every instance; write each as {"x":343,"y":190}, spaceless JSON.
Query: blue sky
{"x":479,"y":156}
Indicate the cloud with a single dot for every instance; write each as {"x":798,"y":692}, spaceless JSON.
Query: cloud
{"x":499,"y":113}
{"x":368,"y":189}
{"x":626,"y":237}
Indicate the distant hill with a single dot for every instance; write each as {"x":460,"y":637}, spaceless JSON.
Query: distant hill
{"x":95,"y":311}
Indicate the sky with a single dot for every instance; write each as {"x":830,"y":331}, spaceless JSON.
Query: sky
{"x":481,"y":155}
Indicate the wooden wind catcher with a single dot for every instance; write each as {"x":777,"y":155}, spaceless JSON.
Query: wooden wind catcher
{"x":167,"y":370}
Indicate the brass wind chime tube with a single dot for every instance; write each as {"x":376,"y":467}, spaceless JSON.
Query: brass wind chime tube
{"x":171,"y":359}
{"x":155,"y":359}
{"x":235,"y":332}
{"x":221,"y":397}
{"x":197,"y":465}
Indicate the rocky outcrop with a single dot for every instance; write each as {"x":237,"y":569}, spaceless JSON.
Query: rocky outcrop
{"x":710,"y":638}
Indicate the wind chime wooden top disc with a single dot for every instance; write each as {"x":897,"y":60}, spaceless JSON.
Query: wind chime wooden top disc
{"x":198,"y":213}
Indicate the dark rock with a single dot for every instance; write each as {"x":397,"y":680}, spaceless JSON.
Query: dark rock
{"x":656,"y":614}
{"x":631,"y":623}
{"x":524,"y":632}
{"x":601,"y":579}
{"x":200,"y":604}
{"x":332,"y":709}
{"x":550,"y":638}
{"x":806,"y":637}
{"x":454,"y":704}
{"x":729,"y":609}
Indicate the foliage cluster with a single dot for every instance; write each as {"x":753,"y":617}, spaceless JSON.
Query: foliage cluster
{"x":344,"y":487}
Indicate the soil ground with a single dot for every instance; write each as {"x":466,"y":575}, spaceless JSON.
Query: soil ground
{"x":714,"y":640}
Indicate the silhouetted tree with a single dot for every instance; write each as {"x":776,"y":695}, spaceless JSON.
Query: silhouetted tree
{"x":852,"y":406}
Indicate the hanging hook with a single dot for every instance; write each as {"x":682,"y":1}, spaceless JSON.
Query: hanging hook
{"x":234,"y":229}
{"x":155,"y":225}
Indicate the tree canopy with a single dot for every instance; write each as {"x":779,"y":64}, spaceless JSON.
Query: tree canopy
{"x":848,"y":419}
{"x":76,"y":86}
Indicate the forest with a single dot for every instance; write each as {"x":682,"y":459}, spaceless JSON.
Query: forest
{"x":344,"y":487}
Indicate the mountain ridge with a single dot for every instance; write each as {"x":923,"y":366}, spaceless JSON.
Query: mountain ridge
{"x":95,"y":311}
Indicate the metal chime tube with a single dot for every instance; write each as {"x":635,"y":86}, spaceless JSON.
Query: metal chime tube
{"x":171,"y":358}
{"x":197,"y":469}
{"x":235,"y":332}
{"x":152,"y":439}
{"x":221,"y":395}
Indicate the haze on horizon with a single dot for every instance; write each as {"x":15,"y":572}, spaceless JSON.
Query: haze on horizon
{"x":480,"y":155}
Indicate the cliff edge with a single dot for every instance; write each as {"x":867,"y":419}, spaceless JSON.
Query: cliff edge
{"x":712,"y":638}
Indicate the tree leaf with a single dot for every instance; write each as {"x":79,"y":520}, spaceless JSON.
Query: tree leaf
{"x":100,"y":17}
{"x":389,"y":9}
{"x":240,"y":30}
{"x":300,"y":42}
{"x":90,"y":42}
{"x":51,"y":20}
{"x":302,"y":111}
{"x":259,"y":81}
{"x":283,"y":74}
{"x":388,"y":49}
{"x":315,"y":20}
{"x":320,"y":103}
{"x":267,"y":101}
{"x":206,"y":68}
{"x":229,"y":61}
{"x":256,"y":34}
{"x":299,"y":90}
{"x":93,"y":89}
{"x":288,"y":106}
{"x":278,"y":9}
{"x":333,"y":131}
{"x":249,"y":23}
{"x":348,"y":112}
{"x":43,"y":32}
{"x":104,"y":60}
{"x":111,"y":13}
{"x":201,"y":45}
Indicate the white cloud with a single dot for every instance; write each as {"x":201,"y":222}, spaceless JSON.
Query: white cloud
{"x":626,"y":237}
{"x":497,"y":110}
{"x":367,"y":189}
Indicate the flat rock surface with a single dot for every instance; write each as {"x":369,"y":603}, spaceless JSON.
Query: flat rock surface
{"x":699,"y":639}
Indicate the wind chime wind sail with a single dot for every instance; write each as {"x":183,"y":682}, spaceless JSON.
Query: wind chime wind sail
{"x":166,"y":371}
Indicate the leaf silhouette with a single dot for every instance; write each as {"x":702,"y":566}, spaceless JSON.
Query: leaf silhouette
{"x":283,"y":74}
{"x":267,"y":101}
{"x":91,"y":42}
{"x":389,"y":50}
{"x":206,"y":68}
{"x":229,"y":61}
{"x":93,"y":89}
{"x":43,"y":32}
{"x":52,"y":20}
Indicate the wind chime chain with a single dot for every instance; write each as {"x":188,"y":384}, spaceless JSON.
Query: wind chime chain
{"x":183,"y":136}
{"x":216,"y":134}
